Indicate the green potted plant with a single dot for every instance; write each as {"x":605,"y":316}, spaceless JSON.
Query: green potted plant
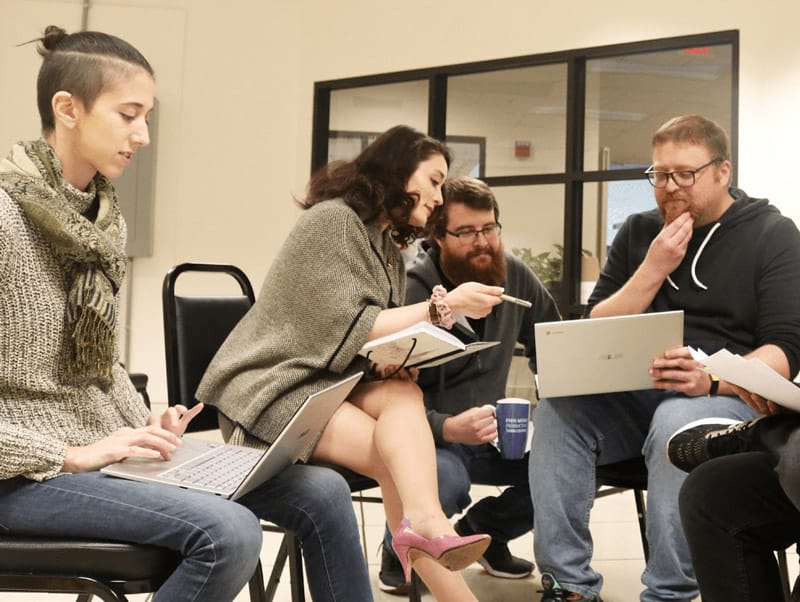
{"x":547,"y":265}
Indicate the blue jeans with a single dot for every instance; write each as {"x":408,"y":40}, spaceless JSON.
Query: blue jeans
{"x":219,"y":540}
{"x":504,"y":517}
{"x":574,"y":434}
{"x":314,"y":502}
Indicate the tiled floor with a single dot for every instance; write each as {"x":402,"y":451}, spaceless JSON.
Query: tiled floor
{"x":618,"y":556}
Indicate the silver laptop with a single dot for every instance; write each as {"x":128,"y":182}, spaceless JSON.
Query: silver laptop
{"x":602,"y":355}
{"x":232,"y":470}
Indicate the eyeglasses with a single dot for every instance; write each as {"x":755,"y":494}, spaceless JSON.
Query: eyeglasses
{"x":683,"y":178}
{"x":469,"y":237}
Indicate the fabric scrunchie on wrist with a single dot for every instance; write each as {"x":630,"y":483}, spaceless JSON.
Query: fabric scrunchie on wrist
{"x":439,"y":312}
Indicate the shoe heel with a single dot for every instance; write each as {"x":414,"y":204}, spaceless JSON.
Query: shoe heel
{"x":401,"y":543}
{"x":404,"y":555}
{"x":452,"y":552}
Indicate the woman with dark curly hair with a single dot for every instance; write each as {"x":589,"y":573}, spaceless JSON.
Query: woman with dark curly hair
{"x":338,"y":282}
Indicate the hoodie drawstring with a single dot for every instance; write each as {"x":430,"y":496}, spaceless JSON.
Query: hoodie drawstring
{"x":694,"y":261}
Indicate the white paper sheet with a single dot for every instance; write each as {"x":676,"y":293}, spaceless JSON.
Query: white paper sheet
{"x":752,"y":374}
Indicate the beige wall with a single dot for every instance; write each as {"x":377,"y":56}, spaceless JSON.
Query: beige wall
{"x":235,"y":83}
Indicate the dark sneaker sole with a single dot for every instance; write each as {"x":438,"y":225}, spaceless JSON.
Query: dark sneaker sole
{"x":396,"y":590}
{"x":503,"y":574}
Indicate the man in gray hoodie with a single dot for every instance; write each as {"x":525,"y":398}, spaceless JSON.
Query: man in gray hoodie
{"x":465,"y":245}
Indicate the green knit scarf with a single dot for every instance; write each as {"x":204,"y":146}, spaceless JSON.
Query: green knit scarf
{"x":90,"y":253}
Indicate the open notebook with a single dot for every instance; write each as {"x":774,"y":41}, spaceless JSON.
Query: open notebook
{"x":421,"y":345}
{"x":232,"y":470}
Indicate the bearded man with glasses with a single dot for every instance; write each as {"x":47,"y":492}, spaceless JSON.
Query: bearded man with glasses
{"x":732,"y":264}
{"x":465,"y":246}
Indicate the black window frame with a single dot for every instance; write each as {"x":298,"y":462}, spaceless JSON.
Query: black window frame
{"x":573,"y":177}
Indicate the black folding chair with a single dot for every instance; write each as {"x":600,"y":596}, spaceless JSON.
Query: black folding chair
{"x":194,"y":328}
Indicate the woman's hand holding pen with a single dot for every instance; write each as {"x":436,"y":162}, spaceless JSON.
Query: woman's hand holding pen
{"x":473,"y":299}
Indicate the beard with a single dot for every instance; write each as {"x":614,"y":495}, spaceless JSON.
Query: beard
{"x":672,"y":207}
{"x":459,"y":271}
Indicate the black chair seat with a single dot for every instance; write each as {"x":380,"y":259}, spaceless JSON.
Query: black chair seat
{"x":107,"y":560}
{"x":356,"y":481}
{"x":628,"y":474}
{"x":106,"y":569}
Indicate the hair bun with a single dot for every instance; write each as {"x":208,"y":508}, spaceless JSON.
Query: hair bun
{"x":53,"y":35}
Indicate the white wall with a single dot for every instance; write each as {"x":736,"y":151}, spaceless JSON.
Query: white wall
{"x":235,"y":83}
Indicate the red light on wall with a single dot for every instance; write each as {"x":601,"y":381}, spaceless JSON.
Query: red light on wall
{"x":522,"y":149}
{"x":697,"y":50}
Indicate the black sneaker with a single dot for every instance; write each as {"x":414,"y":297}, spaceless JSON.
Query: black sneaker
{"x":391,"y":578}
{"x":552,"y":592}
{"x":497,"y":559}
{"x":701,"y":440}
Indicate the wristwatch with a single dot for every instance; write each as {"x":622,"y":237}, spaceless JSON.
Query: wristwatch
{"x":714,"y":385}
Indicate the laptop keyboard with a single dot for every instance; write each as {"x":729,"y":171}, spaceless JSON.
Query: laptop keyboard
{"x":222,"y":468}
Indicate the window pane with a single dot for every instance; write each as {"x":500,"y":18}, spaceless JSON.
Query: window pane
{"x":533,"y":227}
{"x":357,"y":115}
{"x":606,"y":205}
{"x":520,"y":113}
{"x":628,"y":97}
{"x":468,"y":156}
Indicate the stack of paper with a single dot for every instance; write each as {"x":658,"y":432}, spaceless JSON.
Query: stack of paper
{"x":751,"y":374}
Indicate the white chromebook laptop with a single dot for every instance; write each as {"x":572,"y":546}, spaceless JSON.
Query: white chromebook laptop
{"x":231,"y":471}
{"x":602,"y":355}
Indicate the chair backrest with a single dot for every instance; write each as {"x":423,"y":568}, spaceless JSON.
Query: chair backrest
{"x":194,"y":328}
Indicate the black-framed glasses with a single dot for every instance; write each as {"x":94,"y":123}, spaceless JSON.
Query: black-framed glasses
{"x":683,"y":177}
{"x":469,"y":237}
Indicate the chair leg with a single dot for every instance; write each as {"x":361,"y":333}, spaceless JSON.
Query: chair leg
{"x":414,"y":588}
{"x":641,"y":512}
{"x":277,"y":570}
{"x":363,"y":530}
{"x":288,"y":550}
{"x":256,"y":585}
{"x":295,"y":568}
{"x":783,"y":569}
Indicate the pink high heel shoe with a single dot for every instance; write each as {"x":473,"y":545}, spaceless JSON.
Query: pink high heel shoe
{"x":451,"y":551}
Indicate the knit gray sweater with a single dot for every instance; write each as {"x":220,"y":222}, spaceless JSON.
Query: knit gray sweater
{"x":41,"y":415}
{"x":320,"y":299}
